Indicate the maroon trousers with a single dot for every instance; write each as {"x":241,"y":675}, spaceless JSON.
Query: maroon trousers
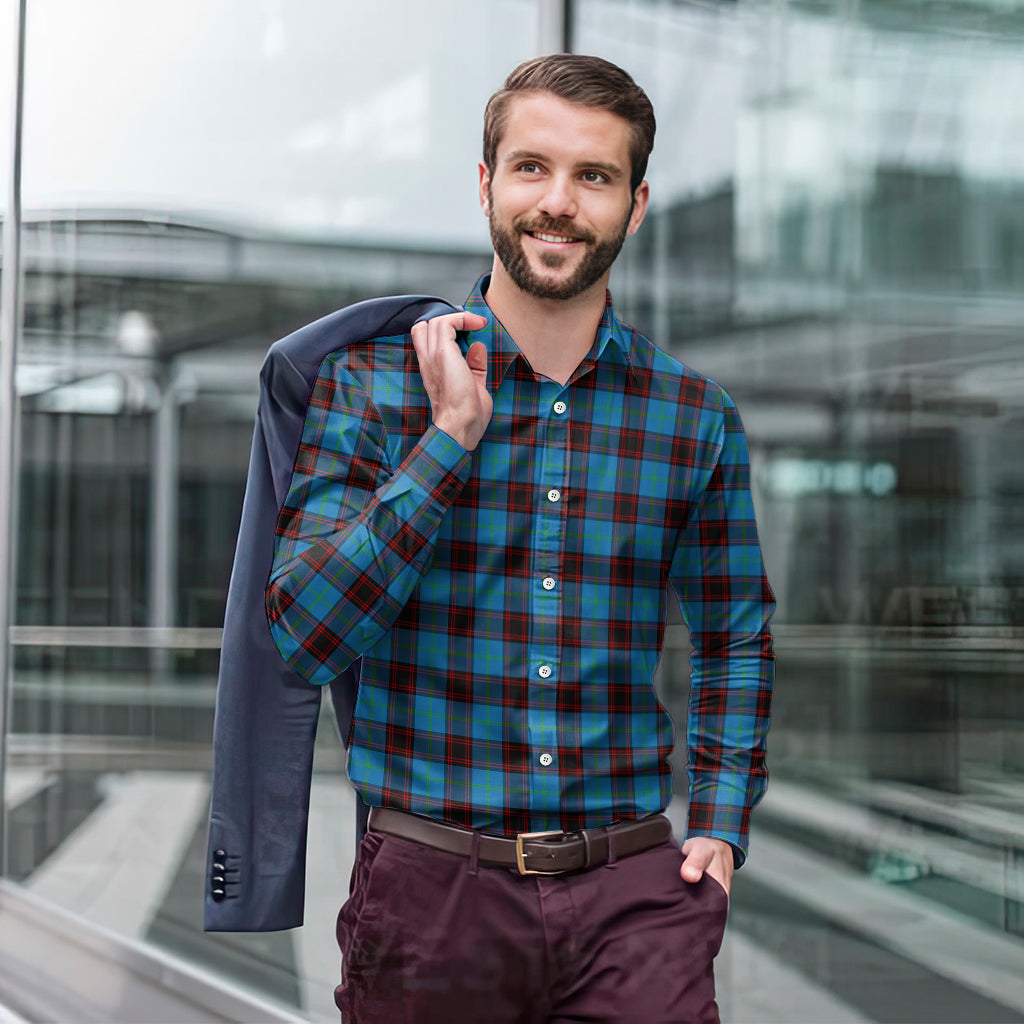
{"x":429,"y":937}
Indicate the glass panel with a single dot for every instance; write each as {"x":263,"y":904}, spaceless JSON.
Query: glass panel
{"x":8,"y":25}
{"x":8,"y":55}
{"x":201,"y":178}
{"x":836,"y":236}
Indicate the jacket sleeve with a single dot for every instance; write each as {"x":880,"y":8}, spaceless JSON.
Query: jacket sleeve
{"x":726,"y":602}
{"x":355,"y":534}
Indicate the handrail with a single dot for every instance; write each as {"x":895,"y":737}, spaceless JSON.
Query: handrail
{"x":167,"y":637}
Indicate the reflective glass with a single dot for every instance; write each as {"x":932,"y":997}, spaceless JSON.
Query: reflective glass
{"x":8,"y":29}
{"x":200,"y":178}
{"x":836,"y":236}
{"x":8,"y":21}
{"x":8,"y":57}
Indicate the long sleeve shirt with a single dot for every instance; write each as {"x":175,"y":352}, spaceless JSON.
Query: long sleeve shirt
{"x":509,"y":604}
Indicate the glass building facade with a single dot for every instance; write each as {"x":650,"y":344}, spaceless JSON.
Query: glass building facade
{"x":836,"y":235}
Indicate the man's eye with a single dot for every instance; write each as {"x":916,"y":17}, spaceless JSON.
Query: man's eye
{"x":529,"y":168}
{"x":593,"y":177}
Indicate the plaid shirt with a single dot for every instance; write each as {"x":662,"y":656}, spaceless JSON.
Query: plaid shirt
{"x":509,"y":603}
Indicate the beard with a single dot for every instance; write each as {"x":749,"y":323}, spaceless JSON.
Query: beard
{"x":599,"y":255}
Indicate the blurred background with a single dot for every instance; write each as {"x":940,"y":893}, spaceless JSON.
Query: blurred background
{"x":836,"y":235}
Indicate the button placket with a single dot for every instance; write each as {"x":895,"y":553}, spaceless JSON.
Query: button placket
{"x":547,"y":548}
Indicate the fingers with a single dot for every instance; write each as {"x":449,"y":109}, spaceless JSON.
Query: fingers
{"x":432,"y":338}
{"x":448,"y":324}
{"x":472,"y":322}
{"x":455,"y":385}
{"x":434,"y":341}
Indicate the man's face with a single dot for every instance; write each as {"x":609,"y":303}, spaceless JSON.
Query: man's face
{"x":559,"y":203}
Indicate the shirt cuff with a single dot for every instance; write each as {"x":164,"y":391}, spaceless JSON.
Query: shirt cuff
{"x":444,"y":446}
{"x":719,"y":809}
{"x":438,"y":467}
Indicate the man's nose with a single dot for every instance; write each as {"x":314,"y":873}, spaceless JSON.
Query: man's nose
{"x":559,"y":199}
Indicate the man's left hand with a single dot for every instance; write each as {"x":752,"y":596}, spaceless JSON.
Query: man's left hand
{"x":711,"y":855}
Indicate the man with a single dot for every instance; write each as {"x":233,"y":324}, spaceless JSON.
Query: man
{"x":493,"y":527}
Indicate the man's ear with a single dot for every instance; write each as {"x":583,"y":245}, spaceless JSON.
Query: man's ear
{"x":641,"y":197}
{"x":485,"y":184}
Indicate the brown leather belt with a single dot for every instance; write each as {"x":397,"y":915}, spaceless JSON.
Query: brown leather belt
{"x":530,"y":853}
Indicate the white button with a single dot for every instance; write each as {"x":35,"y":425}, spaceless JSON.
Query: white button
{"x":560,"y":407}
{"x":553,"y":495}
{"x":544,"y":671}
{"x":548,"y":583}
{"x":545,"y":759}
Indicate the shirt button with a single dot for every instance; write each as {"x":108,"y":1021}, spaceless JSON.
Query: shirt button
{"x":545,"y":759}
{"x":559,"y":407}
{"x":544,"y":671}
{"x":554,"y":495}
{"x":548,"y":583}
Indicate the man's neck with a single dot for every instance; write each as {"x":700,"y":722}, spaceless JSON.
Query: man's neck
{"x":553,"y":334}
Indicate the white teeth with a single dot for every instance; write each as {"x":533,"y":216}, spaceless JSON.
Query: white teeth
{"x":551,"y":238}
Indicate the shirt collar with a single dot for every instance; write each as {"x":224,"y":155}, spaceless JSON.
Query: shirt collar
{"x":611,"y":342}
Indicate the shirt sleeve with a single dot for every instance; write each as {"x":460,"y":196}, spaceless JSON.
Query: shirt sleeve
{"x":726,"y":602}
{"x":353,"y":537}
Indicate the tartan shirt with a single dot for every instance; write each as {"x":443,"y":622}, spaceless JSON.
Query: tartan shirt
{"x":509,"y":603}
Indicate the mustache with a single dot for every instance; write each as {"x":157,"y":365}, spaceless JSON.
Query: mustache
{"x":552,"y":226}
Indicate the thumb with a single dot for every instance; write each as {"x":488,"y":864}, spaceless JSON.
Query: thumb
{"x":477,"y":358}
{"x":694,"y":864}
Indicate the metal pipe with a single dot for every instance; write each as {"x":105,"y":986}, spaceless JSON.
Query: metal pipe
{"x":553,"y":23}
{"x":163,"y":547}
{"x":10,"y":319}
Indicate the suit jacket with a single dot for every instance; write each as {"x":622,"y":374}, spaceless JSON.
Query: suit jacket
{"x":266,"y":713}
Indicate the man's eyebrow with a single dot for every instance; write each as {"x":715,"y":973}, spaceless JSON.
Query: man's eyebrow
{"x":613,"y":171}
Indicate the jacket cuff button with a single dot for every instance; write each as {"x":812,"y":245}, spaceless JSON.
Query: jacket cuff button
{"x":217,"y":894}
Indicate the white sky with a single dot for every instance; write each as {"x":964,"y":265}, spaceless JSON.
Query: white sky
{"x":329,"y":116}
{"x":363,"y":119}
{"x":333,"y":117}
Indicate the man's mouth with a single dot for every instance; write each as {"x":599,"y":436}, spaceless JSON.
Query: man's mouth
{"x":545,"y":236}
{"x":554,"y":237}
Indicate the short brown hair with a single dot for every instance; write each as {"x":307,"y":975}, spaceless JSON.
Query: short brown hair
{"x":577,"y":78}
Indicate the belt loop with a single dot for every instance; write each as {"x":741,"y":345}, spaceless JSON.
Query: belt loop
{"x":611,"y":848}
{"x":474,"y":853}
{"x":586,"y":848}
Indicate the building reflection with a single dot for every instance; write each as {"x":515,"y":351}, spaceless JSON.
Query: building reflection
{"x":854,"y":280}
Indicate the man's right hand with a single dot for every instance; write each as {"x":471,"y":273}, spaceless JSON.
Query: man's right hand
{"x":456,"y":385}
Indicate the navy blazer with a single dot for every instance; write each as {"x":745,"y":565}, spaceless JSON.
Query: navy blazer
{"x":266,"y":714}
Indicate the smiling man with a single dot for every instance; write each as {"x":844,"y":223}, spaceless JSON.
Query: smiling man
{"x":491,"y":519}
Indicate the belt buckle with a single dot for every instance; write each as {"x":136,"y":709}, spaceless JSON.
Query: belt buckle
{"x":520,"y":854}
